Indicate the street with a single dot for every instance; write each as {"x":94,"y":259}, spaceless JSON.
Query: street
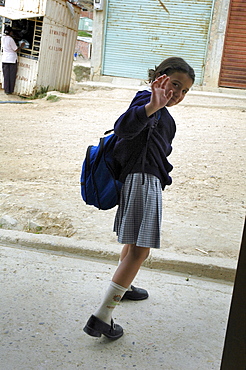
{"x":47,"y":298}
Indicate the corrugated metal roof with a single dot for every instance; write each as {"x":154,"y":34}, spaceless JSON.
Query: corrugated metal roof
{"x":11,"y":13}
{"x":85,"y":39}
{"x":88,"y":4}
{"x":34,"y":6}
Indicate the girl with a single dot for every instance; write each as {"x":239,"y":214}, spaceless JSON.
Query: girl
{"x":145,"y":133}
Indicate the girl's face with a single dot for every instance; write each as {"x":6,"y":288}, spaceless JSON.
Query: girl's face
{"x":180,"y":83}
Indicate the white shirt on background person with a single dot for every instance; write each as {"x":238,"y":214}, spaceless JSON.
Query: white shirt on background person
{"x":9,"y":50}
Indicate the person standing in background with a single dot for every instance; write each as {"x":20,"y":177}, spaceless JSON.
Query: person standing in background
{"x":9,"y":60}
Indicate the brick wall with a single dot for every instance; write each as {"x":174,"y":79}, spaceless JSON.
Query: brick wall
{"x":83,"y":48}
{"x":87,"y":13}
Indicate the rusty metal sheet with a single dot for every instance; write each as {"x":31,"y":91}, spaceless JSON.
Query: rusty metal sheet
{"x":233,"y":65}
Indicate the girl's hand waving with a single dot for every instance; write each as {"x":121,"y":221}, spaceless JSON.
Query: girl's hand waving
{"x":160,"y":95}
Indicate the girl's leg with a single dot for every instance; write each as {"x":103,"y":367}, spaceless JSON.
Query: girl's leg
{"x":133,"y":257}
{"x":122,"y":278}
{"x":132,"y":293}
{"x":101,"y":322}
{"x":124,"y":252}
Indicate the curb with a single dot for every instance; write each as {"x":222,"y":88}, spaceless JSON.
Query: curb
{"x":205,"y":267}
{"x":133,"y":84}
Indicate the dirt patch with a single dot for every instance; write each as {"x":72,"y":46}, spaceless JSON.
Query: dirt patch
{"x":81,"y":73}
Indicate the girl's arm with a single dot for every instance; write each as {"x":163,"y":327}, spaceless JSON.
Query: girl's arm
{"x":141,"y":111}
{"x":134,"y":120}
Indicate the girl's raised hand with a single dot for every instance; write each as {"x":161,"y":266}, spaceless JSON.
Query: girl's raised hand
{"x":160,"y":95}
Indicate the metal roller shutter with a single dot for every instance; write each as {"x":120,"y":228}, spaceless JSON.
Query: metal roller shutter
{"x":140,"y":35}
{"x":233,"y":66}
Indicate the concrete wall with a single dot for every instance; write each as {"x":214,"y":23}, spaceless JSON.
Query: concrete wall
{"x":97,"y":42}
{"x":216,"y":43}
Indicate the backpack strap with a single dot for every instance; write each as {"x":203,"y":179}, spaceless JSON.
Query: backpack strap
{"x":133,"y":159}
{"x":108,"y":131}
{"x":152,"y":127}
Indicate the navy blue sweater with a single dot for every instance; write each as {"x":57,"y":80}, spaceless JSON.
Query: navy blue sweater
{"x":132,"y":129}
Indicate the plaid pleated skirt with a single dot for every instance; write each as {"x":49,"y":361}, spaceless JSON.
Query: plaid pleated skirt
{"x":138,"y":218}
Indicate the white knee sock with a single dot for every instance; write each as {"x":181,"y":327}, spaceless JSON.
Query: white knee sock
{"x":111,"y":299}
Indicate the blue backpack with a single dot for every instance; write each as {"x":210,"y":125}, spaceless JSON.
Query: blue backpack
{"x":99,"y":186}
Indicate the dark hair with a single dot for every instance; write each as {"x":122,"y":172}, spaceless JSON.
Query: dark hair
{"x":171,"y":65}
{"x":7,"y":30}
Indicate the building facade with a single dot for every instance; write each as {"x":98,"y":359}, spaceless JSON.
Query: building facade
{"x":131,"y":37}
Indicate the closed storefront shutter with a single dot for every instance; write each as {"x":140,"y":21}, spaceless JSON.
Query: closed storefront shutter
{"x":233,"y":66}
{"x":141,"y":34}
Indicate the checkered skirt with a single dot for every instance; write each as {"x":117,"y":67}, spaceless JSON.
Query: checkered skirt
{"x":138,"y":218}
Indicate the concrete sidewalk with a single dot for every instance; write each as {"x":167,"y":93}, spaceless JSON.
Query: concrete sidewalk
{"x":201,"y":266}
{"x":47,"y":297}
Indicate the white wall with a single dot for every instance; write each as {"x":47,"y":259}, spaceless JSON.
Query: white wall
{"x":216,"y":43}
{"x":97,"y":42}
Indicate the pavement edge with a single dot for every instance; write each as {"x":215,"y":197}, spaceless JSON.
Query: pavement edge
{"x":206,"y":267}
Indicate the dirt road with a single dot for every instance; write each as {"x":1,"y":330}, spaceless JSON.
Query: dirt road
{"x":43,"y":144}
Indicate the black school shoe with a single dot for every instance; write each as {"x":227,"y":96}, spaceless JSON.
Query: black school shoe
{"x":96,"y":327}
{"x":136,"y":294}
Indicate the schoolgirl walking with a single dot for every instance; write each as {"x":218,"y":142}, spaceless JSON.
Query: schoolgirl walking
{"x":145,"y":133}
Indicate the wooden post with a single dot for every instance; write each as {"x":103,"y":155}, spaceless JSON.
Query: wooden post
{"x":234,"y":353}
